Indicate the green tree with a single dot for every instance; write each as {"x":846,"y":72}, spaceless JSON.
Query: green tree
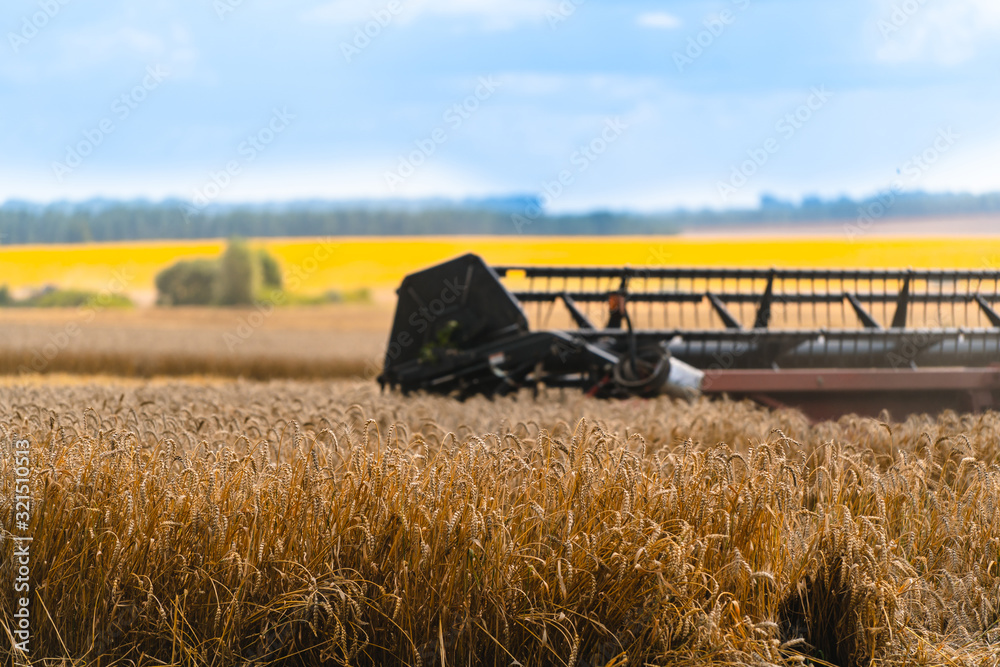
{"x":238,"y":275}
{"x":188,"y":283}
{"x":270,"y":270}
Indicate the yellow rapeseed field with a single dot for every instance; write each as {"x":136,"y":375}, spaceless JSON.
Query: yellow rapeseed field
{"x":380,"y":263}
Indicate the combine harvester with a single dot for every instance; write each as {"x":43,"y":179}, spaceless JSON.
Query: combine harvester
{"x":829,"y":342}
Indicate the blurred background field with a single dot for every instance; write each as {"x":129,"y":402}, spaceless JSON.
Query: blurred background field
{"x":379,"y":264}
{"x":341,"y":339}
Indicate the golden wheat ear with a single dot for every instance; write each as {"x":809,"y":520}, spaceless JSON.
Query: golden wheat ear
{"x":186,"y":522}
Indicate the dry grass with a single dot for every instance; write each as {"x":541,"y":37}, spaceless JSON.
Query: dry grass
{"x":325,"y":523}
{"x":318,"y":342}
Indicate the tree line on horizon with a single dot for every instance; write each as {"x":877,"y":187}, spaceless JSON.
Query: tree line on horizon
{"x":22,"y":223}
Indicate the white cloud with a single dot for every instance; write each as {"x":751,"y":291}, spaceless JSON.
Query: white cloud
{"x":96,"y":46}
{"x":346,"y":179}
{"x":659,"y":20}
{"x":495,"y":14}
{"x":603,"y":87}
{"x":945,"y":33}
{"x":968,"y":167}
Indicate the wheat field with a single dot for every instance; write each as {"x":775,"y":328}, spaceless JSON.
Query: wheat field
{"x":335,"y":341}
{"x":301,"y":523}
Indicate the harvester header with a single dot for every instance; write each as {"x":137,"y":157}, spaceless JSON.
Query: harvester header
{"x":828,"y":341}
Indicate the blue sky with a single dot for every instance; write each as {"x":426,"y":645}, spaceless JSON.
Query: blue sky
{"x":592,"y":103}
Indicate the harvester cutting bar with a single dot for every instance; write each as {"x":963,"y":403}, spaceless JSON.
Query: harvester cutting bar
{"x":879,"y":338}
{"x":840,"y":348}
